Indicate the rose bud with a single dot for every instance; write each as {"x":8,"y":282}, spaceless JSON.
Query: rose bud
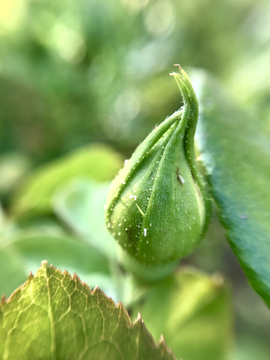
{"x":157,"y":207}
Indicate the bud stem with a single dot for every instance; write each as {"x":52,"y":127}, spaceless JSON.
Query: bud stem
{"x":145,"y":273}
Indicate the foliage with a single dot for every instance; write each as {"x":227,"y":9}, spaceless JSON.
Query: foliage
{"x":55,"y":316}
{"x":81,"y":84}
{"x":238,"y":168}
{"x":68,"y":69}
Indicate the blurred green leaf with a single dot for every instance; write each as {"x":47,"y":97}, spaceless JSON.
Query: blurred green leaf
{"x":12,"y":271}
{"x":12,"y":167}
{"x":35,"y":245}
{"x":98,"y":162}
{"x":55,"y":316}
{"x":80,"y":204}
{"x":248,"y":348}
{"x":236,"y":154}
{"x":67,"y":68}
{"x":193,"y":312}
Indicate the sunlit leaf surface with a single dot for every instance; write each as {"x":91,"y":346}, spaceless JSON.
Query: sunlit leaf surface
{"x":54,"y":316}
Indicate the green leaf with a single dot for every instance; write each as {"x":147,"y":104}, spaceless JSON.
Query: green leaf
{"x":12,"y":271}
{"x":98,"y":162}
{"x":12,"y":167}
{"x":193,"y":312}
{"x":54,"y":316}
{"x":34,"y":245}
{"x":80,"y":204}
{"x":236,"y":155}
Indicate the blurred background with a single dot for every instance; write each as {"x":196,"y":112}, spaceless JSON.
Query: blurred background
{"x":78,"y":72}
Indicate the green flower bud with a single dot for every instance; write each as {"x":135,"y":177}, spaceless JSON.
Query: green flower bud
{"x":156,"y":208}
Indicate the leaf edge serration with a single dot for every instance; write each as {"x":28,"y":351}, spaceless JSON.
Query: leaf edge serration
{"x":142,"y":339}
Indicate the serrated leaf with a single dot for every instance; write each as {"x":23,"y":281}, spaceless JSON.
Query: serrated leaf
{"x":236,"y":155}
{"x":98,"y":162}
{"x":54,"y":316}
{"x":193,"y":312}
{"x":80,"y":204}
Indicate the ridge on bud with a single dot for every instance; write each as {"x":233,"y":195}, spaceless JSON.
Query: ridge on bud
{"x":157,"y":208}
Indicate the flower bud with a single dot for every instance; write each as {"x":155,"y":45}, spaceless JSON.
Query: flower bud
{"x":156,"y":208}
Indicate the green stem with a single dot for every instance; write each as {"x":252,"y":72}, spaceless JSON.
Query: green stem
{"x":145,"y":273}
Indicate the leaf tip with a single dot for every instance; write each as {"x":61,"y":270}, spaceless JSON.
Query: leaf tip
{"x":164,"y":347}
{"x":174,"y":73}
{"x":44,"y":264}
{"x":139,"y":319}
{"x":96,"y":290}
{"x":161,"y":340}
{"x":3,"y":300}
{"x":30,"y":276}
{"x":179,"y":66}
